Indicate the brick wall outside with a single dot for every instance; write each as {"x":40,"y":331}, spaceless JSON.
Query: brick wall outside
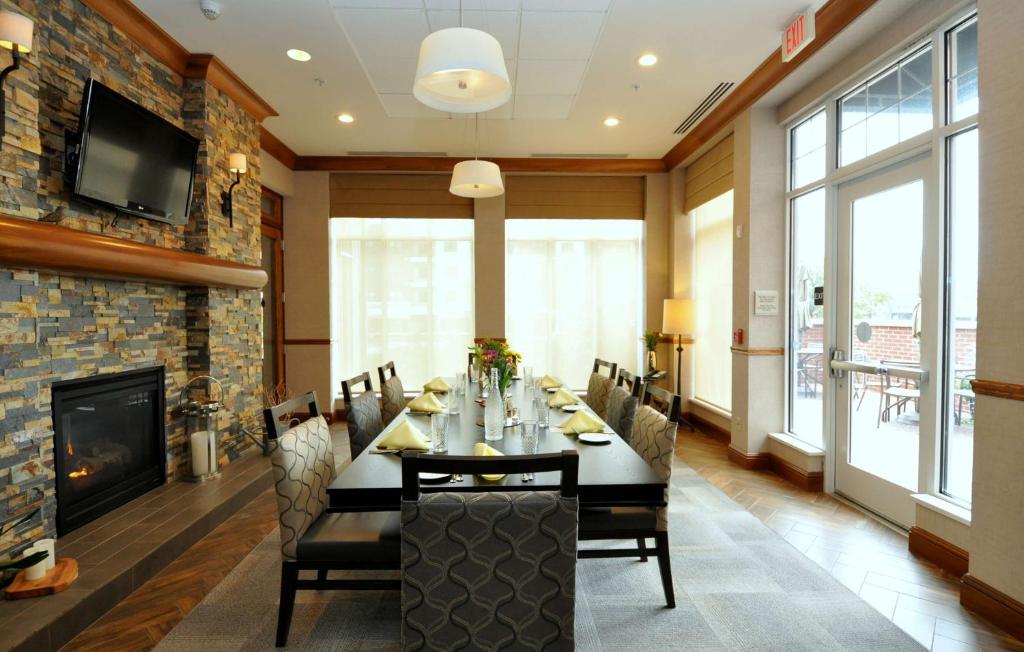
{"x":896,"y":342}
{"x":55,"y":327}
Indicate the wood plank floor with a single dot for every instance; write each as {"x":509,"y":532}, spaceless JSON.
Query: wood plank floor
{"x":860,"y":552}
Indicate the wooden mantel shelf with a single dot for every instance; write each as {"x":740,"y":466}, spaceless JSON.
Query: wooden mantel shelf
{"x":34,"y":245}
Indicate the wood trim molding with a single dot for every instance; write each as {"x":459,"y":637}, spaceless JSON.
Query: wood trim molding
{"x":831,"y":19}
{"x":634,"y":166}
{"x":152,"y":38}
{"x":33,"y":245}
{"x":211,"y":69}
{"x":1001,"y":609}
{"x":806,"y":480}
{"x":756,"y":462}
{"x":998,"y":389}
{"x":938,"y":551}
{"x":669,"y":339}
{"x":707,"y":427}
{"x":307,"y":342}
{"x":758,"y":352}
{"x":272,"y":145}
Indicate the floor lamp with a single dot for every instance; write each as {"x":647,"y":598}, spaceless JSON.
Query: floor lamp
{"x":677,"y":319}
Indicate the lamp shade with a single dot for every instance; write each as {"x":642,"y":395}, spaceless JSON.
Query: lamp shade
{"x":461,"y":70}
{"x":237,"y":163}
{"x":677,"y":317}
{"x":15,"y":29}
{"x":476,"y":179}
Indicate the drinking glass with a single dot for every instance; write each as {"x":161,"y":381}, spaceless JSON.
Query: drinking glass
{"x":529,"y":442}
{"x":456,"y":393}
{"x":439,"y":432}
{"x":543,"y":416}
{"x":527,"y":377}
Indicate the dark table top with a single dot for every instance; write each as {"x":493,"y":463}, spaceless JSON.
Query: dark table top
{"x":609,"y":474}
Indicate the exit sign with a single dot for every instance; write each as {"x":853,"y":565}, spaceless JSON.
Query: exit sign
{"x":798,"y":34}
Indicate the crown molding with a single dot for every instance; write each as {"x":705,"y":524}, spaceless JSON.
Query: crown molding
{"x":633,"y":166}
{"x":272,"y":145}
{"x":144,"y":32}
{"x":829,"y":21}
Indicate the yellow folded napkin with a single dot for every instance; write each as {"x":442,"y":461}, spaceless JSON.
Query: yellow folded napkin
{"x":436,"y":385}
{"x":481,"y":449}
{"x":404,"y":436}
{"x":426,"y":403}
{"x":581,"y":422}
{"x":561,"y":398}
{"x":547,"y":382}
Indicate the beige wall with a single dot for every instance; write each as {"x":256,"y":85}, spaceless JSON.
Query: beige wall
{"x":489,"y":276}
{"x":997,"y":524}
{"x":275,"y":175}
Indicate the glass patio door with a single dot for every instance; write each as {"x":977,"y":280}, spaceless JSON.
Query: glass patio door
{"x":885,"y":223}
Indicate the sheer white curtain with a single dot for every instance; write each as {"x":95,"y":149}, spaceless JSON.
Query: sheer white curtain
{"x":402,"y":290}
{"x":712,"y":376}
{"x":573,"y":292}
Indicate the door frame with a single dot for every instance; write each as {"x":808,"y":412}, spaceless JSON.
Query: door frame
{"x":272,"y":226}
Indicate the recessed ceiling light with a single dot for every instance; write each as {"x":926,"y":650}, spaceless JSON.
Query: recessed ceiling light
{"x":611,"y":121}
{"x":346,"y":118}
{"x":647,"y":59}
{"x":299,"y":55}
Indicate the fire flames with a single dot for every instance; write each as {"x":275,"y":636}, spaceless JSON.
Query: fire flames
{"x":71,"y":451}
{"x":79,"y":473}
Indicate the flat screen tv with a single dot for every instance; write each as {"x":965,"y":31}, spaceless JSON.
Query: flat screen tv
{"x":131,"y":159}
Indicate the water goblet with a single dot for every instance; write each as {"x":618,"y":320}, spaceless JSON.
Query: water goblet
{"x":529,"y":443}
{"x":543,"y":415}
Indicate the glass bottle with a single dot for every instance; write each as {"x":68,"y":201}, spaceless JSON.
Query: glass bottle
{"x":494,"y":411}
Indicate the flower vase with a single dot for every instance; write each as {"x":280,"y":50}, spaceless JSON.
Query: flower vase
{"x":652,"y":360}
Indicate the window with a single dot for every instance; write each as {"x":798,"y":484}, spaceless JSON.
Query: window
{"x":961,"y":315}
{"x":712,"y":377}
{"x":573,"y":292}
{"x":890,"y":108}
{"x":402,"y":290}
{"x":807,"y":364}
{"x":962,"y":69}
{"x":807,"y":151}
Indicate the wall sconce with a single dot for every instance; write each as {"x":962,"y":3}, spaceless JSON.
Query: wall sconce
{"x":16,"y":36}
{"x":237,"y":164}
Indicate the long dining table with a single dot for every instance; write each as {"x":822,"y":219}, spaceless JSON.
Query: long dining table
{"x":611,"y":474}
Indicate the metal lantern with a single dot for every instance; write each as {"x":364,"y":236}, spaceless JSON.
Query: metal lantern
{"x":201,"y":400}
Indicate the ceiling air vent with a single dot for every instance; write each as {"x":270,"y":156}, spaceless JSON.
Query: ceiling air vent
{"x":710,"y":101}
{"x":552,"y":155}
{"x":400,"y":154}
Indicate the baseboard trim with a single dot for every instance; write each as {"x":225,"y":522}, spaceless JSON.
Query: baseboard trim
{"x":938,"y":551}
{"x":806,"y":480}
{"x":1001,"y":609}
{"x":756,"y":462}
{"x":709,"y":428}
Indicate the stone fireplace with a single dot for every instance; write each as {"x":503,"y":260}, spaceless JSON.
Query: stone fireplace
{"x":109,"y":444}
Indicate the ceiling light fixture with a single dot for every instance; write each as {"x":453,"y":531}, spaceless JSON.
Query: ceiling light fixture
{"x":299,"y":55}
{"x":611,"y":121}
{"x":476,"y":178}
{"x":461,"y":70}
{"x":648,"y":59}
{"x":346,"y":118}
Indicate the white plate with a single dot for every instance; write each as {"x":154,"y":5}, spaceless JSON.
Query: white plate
{"x":595,"y":438}
{"x":552,"y":390}
{"x":572,"y":408}
{"x":434,"y":477}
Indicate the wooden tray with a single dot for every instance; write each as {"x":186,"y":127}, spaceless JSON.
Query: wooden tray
{"x":59,"y":578}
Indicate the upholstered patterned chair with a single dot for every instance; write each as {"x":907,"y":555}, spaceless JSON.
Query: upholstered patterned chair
{"x":622,"y":404}
{"x":303,"y":466}
{"x":653,"y":438}
{"x":600,"y":386}
{"x":363,"y":413}
{"x":392,"y":394}
{"x":489,"y":570}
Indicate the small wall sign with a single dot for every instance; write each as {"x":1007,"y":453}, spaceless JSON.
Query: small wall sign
{"x":798,"y":35}
{"x":766,"y":303}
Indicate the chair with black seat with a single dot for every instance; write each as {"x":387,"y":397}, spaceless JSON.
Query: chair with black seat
{"x":622,"y":403}
{"x":303,"y":466}
{"x":392,"y":394}
{"x":653,"y":438}
{"x":489,"y":570}
{"x":362,"y":412}
{"x":600,"y":386}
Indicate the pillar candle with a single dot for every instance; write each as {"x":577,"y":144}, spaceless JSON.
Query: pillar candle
{"x":35,"y":571}
{"x":49,"y":545}
{"x":200,"y":444}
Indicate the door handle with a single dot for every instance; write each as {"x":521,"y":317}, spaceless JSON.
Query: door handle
{"x":840,"y":366}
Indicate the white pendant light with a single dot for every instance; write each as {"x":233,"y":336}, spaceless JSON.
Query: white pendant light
{"x":476,"y":178}
{"x":461,"y":70}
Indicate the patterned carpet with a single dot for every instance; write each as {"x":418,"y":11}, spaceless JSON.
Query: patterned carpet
{"x":738,"y":587}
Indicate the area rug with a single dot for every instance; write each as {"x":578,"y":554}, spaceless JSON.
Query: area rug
{"x":739,"y":586}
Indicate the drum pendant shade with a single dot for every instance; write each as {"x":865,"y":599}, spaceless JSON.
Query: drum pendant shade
{"x":461,"y":70}
{"x":476,"y":179}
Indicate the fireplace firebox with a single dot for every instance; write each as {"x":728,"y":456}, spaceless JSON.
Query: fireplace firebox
{"x":109,"y":444}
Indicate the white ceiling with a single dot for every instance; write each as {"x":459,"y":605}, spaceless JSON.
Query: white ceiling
{"x":573,"y":63}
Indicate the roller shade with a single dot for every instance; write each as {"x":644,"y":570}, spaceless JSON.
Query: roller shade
{"x":610,"y":197}
{"x":709,"y":176}
{"x":396,"y":195}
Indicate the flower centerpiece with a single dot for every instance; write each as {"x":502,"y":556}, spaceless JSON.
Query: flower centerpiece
{"x":496,"y":354}
{"x":651,"y":340}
